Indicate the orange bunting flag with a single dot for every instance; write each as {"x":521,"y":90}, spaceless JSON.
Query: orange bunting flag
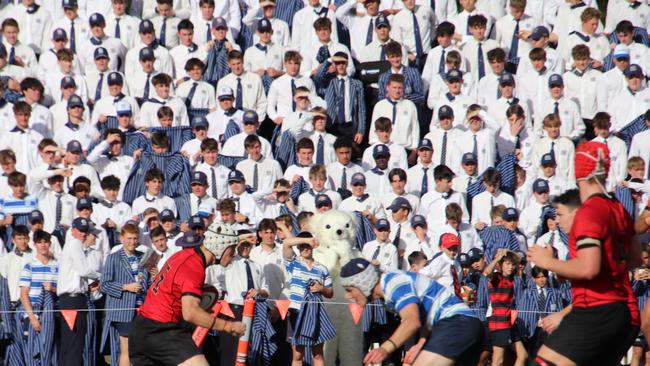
{"x":226,"y":310}
{"x":513,"y":316}
{"x":355,"y":310}
{"x":70,"y":317}
{"x":283,"y":307}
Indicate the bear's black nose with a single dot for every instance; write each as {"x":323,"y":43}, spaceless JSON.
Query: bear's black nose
{"x":339,"y":232}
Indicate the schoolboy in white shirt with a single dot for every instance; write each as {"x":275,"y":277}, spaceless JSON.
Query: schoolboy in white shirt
{"x":248,"y":87}
{"x":98,"y":38}
{"x":492,"y":196}
{"x":265,"y":57}
{"x":566,"y":109}
{"x":598,"y":43}
{"x":477,"y":139}
{"x":303,"y":36}
{"x":162,"y":97}
{"x":362,"y":201}
{"x":413,"y":26}
{"x":76,"y":128}
{"x":529,"y":219}
{"x":378,"y":182}
{"x":197,"y":94}
{"x":266,"y":11}
{"x":421,"y":174}
{"x":185,"y":50}
{"x":475,"y":49}
{"x":165,"y":22}
{"x":613,"y":81}
{"x":280,"y":96}
{"x":323,"y":142}
{"x":234,"y":146}
{"x":560,"y":147}
{"x":401,"y":112}
{"x":260,"y":172}
{"x":153,"y":197}
{"x":443,"y":267}
{"x":317,"y":179}
{"x":217,"y":174}
{"x":581,"y":85}
{"x":247,"y":213}
{"x":453,"y":96}
{"x":162,"y":60}
{"x":630,"y":102}
{"x":381,"y":252}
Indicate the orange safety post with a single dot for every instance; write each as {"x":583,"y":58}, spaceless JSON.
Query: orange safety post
{"x":247,"y":319}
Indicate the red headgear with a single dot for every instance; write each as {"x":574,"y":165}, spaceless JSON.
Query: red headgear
{"x":592,"y":159}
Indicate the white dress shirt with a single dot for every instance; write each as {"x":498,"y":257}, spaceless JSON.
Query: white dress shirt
{"x":220,"y":178}
{"x":626,"y":106}
{"x":582,"y":89}
{"x":181,"y":53}
{"x":483,"y":202}
{"x":572,"y":125}
{"x":564,"y":154}
{"x":403,"y":30}
{"x":303,"y":35}
{"x":160,"y":203}
{"x":252,"y":91}
{"x":385,"y":253}
{"x":77,"y":265}
{"x":148,"y":113}
{"x":406,"y":128}
{"x":268,"y":171}
{"x":280,"y":96}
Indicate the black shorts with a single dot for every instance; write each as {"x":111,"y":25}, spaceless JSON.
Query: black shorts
{"x":459,"y":338}
{"x":504,"y":337}
{"x":598,"y":335}
{"x":155,"y":343}
{"x":122,"y":328}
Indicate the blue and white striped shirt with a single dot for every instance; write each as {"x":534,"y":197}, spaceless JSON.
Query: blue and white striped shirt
{"x":12,"y":205}
{"x":35,"y":273}
{"x":300,"y":275}
{"x":403,"y":288}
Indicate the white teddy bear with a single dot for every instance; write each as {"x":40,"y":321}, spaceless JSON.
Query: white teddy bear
{"x":335,"y":232}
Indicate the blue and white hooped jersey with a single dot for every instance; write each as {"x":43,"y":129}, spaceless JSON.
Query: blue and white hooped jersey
{"x":434,"y":300}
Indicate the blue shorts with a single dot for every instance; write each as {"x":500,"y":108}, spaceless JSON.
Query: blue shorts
{"x":459,"y":338}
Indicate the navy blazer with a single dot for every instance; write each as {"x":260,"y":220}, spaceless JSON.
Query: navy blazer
{"x":357,"y":103}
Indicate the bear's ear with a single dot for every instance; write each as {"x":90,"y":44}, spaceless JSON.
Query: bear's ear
{"x":314,"y":223}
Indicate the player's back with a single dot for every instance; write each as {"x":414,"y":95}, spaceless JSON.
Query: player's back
{"x":183,"y":274}
{"x":602,"y":221}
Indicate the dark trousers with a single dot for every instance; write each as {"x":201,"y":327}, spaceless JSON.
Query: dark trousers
{"x":228,"y":343}
{"x":71,"y":342}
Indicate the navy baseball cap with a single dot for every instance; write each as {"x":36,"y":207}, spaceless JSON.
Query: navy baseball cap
{"x":541,"y":186}
{"x":59,"y":35}
{"x":382,"y":21}
{"x":469,"y":158}
{"x":96,"y":20}
{"x":634,"y":71}
{"x":425,"y":144}
{"x":475,"y":254}
{"x":200,"y":121}
{"x":454,"y":75}
{"x":84,"y":204}
{"x":250,"y":117}
{"x":358,"y":179}
{"x":555,"y":80}
{"x":189,"y":239}
{"x":464,"y":260}
{"x":382,"y":224}
{"x":146,"y":26}
{"x":36,"y":216}
{"x":418,"y":220}
{"x":70,"y":4}
{"x":196,"y":222}
{"x":146,"y":53}
{"x":81,"y":224}
{"x":445,"y":112}
{"x":235,"y":176}
{"x":100,"y":52}
{"x":68,"y":82}
{"x":219,"y":22}
{"x":323,"y":200}
{"x":548,"y":159}
{"x":264,"y":25}
{"x":510,"y":214}
{"x":199,"y":177}
{"x":115,"y":78}
{"x":399,"y":202}
{"x":74,"y":146}
{"x":539,"y":32}
{"x":507,"y":79}
{"x":167,"y":215}
{"x":75,"y":101}
{"x":380,"y":150}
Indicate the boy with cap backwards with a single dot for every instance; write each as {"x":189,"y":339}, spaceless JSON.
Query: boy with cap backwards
{"x":175,"y":296}
{"x":604,"y":317}
{"x":449,"y":330}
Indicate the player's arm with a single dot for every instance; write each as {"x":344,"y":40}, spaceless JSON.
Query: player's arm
{"x":194,"y":313}
{"x":642,"y":224}
{"x":585,"y":265}
{"x":407,"y":328}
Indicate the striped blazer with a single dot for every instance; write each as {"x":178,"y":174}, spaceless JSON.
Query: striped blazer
{"x":357,"y":103}
{"x":413,"y":86}
{"x":117,"y":272}
{"x":529,"y":308}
